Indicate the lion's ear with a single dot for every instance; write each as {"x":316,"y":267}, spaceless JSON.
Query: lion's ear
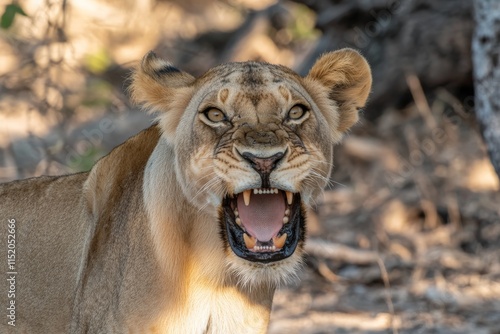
{"x":346,"y":76}
{"x":160,"y":87}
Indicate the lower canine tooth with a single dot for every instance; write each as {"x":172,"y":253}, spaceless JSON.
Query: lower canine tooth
{"x":280,"y":242}
{"x":249,"y":241}
{"x":289,"y":197}
{"x":246,"y":197}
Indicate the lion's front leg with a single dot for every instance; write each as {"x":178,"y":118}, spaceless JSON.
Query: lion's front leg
{"x":236,"y":310}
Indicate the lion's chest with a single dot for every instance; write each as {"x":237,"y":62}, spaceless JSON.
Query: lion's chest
{"x":217,"y":310}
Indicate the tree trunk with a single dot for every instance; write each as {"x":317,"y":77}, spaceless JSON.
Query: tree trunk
{"x":486,"y":61}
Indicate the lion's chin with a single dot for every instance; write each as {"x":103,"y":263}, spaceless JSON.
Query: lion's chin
{"x":253,"y":274}
{"x":264,"y":229}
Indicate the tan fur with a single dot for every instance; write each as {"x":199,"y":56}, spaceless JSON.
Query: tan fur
{"x":346,"y":76}
{"x":134,"y":245}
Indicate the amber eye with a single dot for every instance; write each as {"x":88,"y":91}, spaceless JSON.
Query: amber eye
{"x":296,"y":112}
{"x":215,"y":115}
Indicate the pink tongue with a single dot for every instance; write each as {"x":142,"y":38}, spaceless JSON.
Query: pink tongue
{"x":263,"y":217}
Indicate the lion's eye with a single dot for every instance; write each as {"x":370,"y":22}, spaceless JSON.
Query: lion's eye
{"x":215,"y":115}
{"x":296,"y":112}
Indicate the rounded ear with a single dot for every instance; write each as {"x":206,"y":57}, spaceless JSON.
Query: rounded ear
{"x":346,"y":76}
{"x":160,"y":87}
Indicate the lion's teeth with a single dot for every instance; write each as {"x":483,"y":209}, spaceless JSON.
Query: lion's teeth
{"x":285,"y":220}
{"x":280,"y":242}
{"x":289,"y":197}
{"x":249,"y":241}
{"x":287,"y":212}
{"x":246,"y":197}
{"x":264,"y":248}
{"x":262,"y":191}
{"x":238,"y":221}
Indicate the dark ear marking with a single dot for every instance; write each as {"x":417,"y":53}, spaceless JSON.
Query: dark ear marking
{"x":167,"y":70}
{"x":156,"y":67}
{"x":155,"y":81}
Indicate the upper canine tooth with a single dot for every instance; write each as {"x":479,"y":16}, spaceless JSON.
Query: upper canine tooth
{"x":246,"y":197}
{"x":279,"y":242}
{"x":289,"y":197}
{"x":249,"y":241}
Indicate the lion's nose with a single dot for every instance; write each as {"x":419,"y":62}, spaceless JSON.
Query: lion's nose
{"x":263,"y":166}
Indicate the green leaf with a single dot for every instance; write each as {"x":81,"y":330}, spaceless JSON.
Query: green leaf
{"x":98,"y":61}
{"x":9,"y":14}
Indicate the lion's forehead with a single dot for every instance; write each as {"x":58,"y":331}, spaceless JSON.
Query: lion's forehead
{"x":250,"y":74}
{"x":252,"y":87}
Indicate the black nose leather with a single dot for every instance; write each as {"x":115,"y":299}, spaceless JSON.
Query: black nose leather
{"x":263,"y":166}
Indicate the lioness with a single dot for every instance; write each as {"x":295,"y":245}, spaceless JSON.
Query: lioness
{"x":189,"y":226}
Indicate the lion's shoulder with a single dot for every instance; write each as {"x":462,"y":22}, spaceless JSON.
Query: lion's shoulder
{"x":121,"y":171}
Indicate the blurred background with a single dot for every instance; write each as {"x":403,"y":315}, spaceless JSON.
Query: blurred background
{"x":406,"y":239}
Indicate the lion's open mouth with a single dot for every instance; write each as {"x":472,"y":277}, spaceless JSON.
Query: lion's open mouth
{"x":263,"y":225}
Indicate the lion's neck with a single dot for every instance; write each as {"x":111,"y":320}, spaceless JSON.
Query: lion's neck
{"x":188,"y":249}
{"x":182,"y":235}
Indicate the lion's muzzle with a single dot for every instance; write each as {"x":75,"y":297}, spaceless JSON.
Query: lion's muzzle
{"x":263,"y":165}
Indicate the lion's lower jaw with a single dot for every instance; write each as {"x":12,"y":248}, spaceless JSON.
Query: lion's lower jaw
{"x":252,"y":274}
